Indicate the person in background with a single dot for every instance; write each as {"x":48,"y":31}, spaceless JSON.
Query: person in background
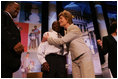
{"x":37,"y":32}
{"x":11,"y":47}
{"x":31,"y":66}
{"x":27,"y":65}
{"x":82,"y":65}
{"x":51,"y":57}
{"x":110,"y":47}
{"x":32,"y":37}
{"x":24,"y":66}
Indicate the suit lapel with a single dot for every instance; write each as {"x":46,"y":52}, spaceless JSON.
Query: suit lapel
{"x":15,"y":26}
{"x":112,"y":38}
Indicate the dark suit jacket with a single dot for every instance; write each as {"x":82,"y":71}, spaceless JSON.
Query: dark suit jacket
{"x":10,"y":36}
{"x":110,"y":47}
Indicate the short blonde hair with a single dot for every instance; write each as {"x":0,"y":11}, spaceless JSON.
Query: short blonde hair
{"x":67,"y":15}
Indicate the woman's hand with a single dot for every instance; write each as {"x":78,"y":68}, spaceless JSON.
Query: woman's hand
{"x":45,"y":37}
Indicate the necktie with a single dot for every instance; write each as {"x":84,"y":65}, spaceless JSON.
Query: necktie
{"x":67,"y":48}
{"x":62,"y":47}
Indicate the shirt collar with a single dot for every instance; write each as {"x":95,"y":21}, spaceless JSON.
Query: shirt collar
{"x":54,"y":31}
{"x":9,"y":14}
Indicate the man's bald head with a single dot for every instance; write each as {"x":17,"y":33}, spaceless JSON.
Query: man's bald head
{"x":13,"y":8}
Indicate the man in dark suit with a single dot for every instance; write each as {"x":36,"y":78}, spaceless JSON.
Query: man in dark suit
{"x":11,"y":47}
{"x":110,"y":47}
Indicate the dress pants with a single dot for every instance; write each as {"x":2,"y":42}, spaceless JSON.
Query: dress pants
{"x":83,"y":67}
{"x":57,"y":66}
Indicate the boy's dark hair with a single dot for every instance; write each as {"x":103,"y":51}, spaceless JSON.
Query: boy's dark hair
{"x":56,"y":26}
{"x":113,"y":27}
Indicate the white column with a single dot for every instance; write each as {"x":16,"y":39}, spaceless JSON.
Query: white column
{"x":101,"y":21}
{"x":52,"y":16}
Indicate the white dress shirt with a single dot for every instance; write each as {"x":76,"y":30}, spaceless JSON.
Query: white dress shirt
{"x":115,"y":37}
{"x":45,"y":48}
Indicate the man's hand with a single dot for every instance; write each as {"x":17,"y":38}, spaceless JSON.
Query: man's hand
{"x":45,"y":37}
{"x":19,"y":48}
{"x":45,"y":67}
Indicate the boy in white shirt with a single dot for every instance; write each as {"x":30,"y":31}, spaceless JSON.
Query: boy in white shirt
{"x":50,"y":56}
